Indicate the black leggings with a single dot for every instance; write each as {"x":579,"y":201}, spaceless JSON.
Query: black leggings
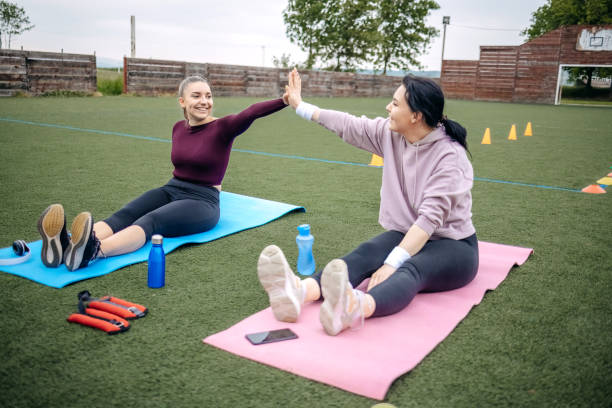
{"x":440,"y":265}
{"x":178,"y":208}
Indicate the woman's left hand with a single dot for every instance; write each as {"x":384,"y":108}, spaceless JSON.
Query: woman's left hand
{"x":381,"y":275}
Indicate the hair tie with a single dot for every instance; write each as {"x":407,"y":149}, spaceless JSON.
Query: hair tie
{"x":444,"y":120}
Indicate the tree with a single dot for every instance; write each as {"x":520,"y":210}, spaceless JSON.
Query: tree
{"x":402,"y":33}
{"x":344,"y":34}
{"x":585,"y":75}
{"x":304,"y":20}
{"x":13,"y":21}
{"x":349,"y":34}
{"x":332,"y":31}
{"x":559,"y":13}
{"x":284,"y":61}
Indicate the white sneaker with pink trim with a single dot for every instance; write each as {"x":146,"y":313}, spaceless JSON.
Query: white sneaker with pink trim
{"x":281,"y":284}
{"x":342,"y":307}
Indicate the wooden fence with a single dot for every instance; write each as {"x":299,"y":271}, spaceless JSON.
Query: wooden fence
{"x":156,"y":77}
{"x":496,"y":74}
{"x":38,"y":72}
{"x":491,"y":78}
{"x":524,"y":73}
{"x":458,"y":78}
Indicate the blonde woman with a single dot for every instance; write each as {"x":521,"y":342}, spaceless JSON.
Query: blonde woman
{"x":187,"y":204}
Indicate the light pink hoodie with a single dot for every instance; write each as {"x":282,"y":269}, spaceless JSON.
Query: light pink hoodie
{"x":426,"y":183}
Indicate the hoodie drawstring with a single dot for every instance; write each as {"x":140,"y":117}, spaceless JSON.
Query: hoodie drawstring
{"x":416,"y":169}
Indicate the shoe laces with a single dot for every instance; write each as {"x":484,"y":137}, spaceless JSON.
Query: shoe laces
{"x":357,"y":315}
{"x":97,"y":248}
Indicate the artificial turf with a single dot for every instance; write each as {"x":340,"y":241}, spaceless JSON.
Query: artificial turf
{"x":543,"y":338}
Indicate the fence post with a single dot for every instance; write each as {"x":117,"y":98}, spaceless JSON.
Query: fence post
{"x":26,"y":61}
{"x":125,"y":86}
{"x":95,"y":71}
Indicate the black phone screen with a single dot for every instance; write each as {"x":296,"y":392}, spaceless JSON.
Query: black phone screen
{"x":271,"y":336}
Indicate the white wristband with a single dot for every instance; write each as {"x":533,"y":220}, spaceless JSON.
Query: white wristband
{"x":397,"y":257}
{"x":306,"y":110}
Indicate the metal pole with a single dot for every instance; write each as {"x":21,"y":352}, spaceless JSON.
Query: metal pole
{"x":133,"y":47}
{"x":445,"y":21}
{"x":559,"y":88}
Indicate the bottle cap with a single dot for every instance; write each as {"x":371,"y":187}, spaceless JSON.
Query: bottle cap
{"x":304,"y":229}
{"x":157,"y":239}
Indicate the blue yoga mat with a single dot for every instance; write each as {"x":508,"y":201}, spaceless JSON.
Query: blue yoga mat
{"x":238,"y":213}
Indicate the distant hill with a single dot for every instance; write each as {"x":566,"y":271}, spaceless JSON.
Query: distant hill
{"x":103,"y":62}
{"x":429,"y":74}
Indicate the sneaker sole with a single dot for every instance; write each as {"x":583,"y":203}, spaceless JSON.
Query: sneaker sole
{"x":274,"y":274}
{"x":333,"y":285}
{"x":81,"y":230}
{"x":50,"y":225}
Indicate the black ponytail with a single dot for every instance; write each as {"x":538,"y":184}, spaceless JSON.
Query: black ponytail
{"x":425,"y":96}
{"x":455,"y":131}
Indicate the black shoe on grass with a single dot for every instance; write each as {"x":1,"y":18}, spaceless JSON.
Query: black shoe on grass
{"x":84,"y":245}
{"x":52,"y":228}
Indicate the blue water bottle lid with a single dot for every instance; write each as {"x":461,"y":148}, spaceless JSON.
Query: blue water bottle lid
{"x":157,"y":239}
{"x":304,"y":229}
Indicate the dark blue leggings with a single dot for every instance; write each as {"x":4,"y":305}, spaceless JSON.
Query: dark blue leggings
{"x":178,"y":208}
{"x":440,"y":265}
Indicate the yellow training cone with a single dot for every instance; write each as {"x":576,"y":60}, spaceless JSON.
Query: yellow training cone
{"x":528,"y":131}
{"x":605,"y":180}
{"x":512,"y":135}
{"x":486,"y":139}
{"x":376,"y":161}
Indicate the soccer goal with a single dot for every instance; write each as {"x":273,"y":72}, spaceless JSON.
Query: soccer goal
{"x":601,"y":80}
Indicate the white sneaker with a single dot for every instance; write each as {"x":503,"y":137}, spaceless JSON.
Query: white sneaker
{"x":280,"y":283}
{"x":342,"y":307}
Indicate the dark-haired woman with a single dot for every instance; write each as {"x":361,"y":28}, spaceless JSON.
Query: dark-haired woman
{"x":187,"y":204}
{"x":430,"y":242}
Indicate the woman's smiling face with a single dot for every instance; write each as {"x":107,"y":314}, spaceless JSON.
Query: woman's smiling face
{"x":197,"y":102}
{"x":402,"y":117}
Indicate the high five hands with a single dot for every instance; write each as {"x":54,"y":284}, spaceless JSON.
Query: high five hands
{"x":293,"y":91}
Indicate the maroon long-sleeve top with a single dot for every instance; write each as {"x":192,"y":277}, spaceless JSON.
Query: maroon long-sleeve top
{"x":200,"y":154}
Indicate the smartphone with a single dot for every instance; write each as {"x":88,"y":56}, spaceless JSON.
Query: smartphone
{"x":271,"y":336}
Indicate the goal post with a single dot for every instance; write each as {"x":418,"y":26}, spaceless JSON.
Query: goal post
{"x":559,"y":87}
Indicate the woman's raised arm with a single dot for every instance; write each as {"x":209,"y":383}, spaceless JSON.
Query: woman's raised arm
{"x":293,"y":95}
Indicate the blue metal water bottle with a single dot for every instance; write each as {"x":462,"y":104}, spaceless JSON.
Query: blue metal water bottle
{"x":157,"y":263}
{"x":305,"y":261}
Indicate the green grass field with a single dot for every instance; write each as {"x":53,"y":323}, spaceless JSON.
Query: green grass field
{"x":110,"y":81}
{"x":568,"y":101}
{"x":542,"y":339}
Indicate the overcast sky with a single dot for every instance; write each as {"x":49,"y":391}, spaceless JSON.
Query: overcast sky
{"x":244,"y":32}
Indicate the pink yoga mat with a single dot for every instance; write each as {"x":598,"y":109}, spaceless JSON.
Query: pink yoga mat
{"x":367,"y":361}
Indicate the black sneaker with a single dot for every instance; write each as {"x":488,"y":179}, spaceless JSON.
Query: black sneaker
{"x":84,"y":245}
{"x":52,"y":228}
